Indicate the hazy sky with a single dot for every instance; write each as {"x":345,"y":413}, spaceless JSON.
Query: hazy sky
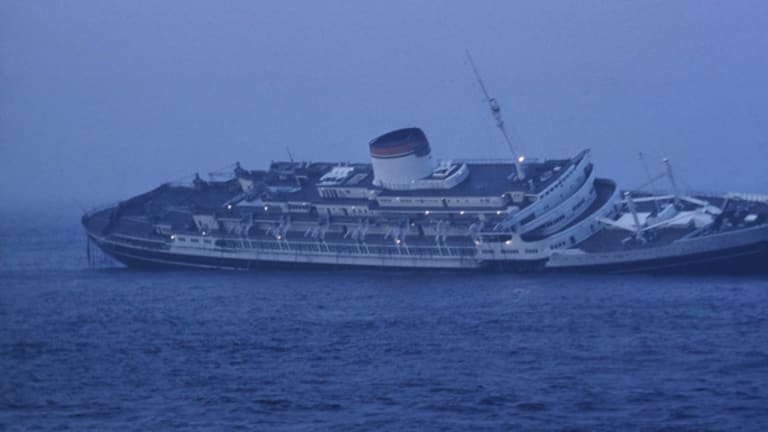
{"x":102,"y":100}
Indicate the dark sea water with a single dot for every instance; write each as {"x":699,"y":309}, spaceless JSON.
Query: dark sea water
{"x":84,"y":348}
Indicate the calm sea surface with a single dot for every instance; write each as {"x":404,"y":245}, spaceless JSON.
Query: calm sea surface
{"x":85,"y":348}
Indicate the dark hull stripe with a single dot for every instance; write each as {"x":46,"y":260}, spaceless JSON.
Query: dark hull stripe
{"x":752,"y":259}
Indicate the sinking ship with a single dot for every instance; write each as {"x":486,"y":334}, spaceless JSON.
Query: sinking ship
{"x":405,"y":209}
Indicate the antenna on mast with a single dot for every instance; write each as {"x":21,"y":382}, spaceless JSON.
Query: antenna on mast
{"x":493,"y":104}
{"x":290,"y":155}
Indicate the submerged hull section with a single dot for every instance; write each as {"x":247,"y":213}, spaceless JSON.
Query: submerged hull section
{"x":748,"y":259}
{"x":739,"y":251}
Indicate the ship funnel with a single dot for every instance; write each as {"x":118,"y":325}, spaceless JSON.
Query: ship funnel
{"x":399,"y":157}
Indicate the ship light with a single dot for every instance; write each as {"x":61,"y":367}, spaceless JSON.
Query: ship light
{"x":279,"y":237}
{"x":173,"y":237}
{"x":477,"y":242}
{"x":397,"y":241}
{"x":461,"y":212}
{"x":229,"y":206}
{"x":266,"y":208}
{"x":426,"y":212}
{"x":521,"y":159}
{"x":508,"y":242}
{"x":204,"y":233}
{"x":498,"y":212}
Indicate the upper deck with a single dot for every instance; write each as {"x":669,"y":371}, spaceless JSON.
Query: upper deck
{"x":317,"y":182}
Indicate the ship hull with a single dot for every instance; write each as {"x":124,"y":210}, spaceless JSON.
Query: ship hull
{"x":748,"y":259}
{"x":140,"y":257}
{"x":745,"y":259}
{"x":739,"y":251}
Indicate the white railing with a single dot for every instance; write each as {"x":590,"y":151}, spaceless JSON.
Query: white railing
{"x":761,"y":198}
{"x":234,"y":244}
{"x":667,"y":194}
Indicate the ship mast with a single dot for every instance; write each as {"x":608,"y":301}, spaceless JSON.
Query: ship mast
{"x":675,"y":190}
{"x":493,"y":104}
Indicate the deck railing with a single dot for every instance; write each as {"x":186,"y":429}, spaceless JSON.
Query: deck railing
{"x":752,"y":197}
{"x":704,"y":194}
{"x":351,"y":249}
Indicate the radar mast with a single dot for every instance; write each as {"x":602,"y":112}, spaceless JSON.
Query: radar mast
{"x":493,"y":104}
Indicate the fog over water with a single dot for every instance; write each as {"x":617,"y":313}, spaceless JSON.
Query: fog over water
{"x":103,"y":100}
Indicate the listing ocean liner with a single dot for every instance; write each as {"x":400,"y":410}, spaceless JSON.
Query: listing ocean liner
{"x":405,"y":209}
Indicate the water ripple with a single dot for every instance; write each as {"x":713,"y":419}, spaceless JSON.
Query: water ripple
{"x":100,"y":349}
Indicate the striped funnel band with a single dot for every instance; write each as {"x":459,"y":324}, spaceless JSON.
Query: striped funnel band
{"x":399,"y":143}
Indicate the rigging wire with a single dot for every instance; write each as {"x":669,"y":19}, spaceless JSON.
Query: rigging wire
{"x":495,"y":109}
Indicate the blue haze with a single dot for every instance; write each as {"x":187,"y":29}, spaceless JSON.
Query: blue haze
{"x":103,"y":100}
